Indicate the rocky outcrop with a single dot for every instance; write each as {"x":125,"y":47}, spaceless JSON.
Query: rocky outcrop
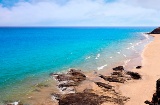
{"x":87,"y":99}
{"x":156,"y":95}
{"x":73,"y":74}
{"x":113,"y":78}
{"x":106,"y":86}
{"x":134,"y":75}
{"x":155,"y":31}
{"x":138,"y":67}
{"x":119,"y":68}
{"x":67,"y":81}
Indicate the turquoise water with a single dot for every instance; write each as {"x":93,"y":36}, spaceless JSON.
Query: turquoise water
{"x":28,"y":55}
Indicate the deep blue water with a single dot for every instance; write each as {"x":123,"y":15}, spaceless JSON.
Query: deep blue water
{"x":28,"y":55}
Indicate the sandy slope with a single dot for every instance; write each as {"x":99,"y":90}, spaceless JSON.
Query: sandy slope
{"x":141,"y":90}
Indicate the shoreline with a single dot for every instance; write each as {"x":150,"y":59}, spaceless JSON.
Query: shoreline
{"x":84,"y":85}
{"x":142,"y":90}
{"x":92,"y":77}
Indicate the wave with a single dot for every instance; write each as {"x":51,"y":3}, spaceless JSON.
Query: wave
{"x":88,"y":57}
{"x":118,"y":52}
{"x":98,"y":55}
{"x":126,"y":62}
{"x":101,"y":67}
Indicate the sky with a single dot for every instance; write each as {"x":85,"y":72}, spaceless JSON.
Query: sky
{"x":79,"y":13}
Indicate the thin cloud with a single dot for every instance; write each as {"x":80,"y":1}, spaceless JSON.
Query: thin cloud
{"x":79,"y":13}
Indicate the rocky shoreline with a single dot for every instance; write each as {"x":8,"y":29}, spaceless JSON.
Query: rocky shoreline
{"x":79,"y":88}
{"x":70,"y":82}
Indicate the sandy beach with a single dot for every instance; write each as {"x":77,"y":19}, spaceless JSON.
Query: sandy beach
{"x":143,"y":89}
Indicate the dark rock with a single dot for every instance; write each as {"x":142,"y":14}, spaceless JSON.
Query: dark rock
{"x":75,"y":75}
{"x":56,"y":96}
{"x":119,"y":74}
{"x":72,"y":78}
{"x":119,"y":68}
{"x":87,"y":99}
{"x":100,"y":84}
{"x":138,"y":67}
{"x":134,"y":75}
{"x":82,"y":99}
{"x":67,"y":84}
{"x":155,"y":31}
{"x":158,"y":84}
{"x":155,"y":99}
{"x":113,"y":79}
{"x":147,"y":102}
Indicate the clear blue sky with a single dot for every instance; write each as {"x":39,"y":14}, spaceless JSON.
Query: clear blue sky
{"x":79,"y":13}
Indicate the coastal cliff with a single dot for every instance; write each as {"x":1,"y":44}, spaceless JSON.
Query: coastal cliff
{"x":155,"y":31}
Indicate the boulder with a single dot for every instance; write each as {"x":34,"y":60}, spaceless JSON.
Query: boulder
{"x":134,"y":75}
{"x":155,"y":31}
{"x":73,"y":74}
{"x":80,"y":99}
{"x":106,"y":86}
{"x":119,"y":68}
{"x":158,"y":84}
{"x":87,"y":99}
{"x":138,"y":67}
{"x":119,"y":74}
{"x":72,"y":78}
{"x":113,"y":79}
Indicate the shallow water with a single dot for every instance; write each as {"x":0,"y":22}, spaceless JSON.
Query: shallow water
{"x":28,"y":55}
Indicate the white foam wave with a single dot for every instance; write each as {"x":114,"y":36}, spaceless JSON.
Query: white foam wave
{"x":101,"y":67}
{"x":98,"y":55}
{"x":118,"y":52}
{"x":128,"y":48}
{"x":88,"y":57}
{"x":110,"y":57}
{"x":124,"y":55}
{"x":145,"y":35}
{"x":126,"y":61}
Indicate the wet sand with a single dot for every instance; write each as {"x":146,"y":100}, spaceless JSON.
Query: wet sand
{"x":143,"y":89}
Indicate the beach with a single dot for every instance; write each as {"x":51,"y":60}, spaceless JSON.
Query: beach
{"x":138,"y":91}
{"x":96,"y":66}
{"x":143,"y":89}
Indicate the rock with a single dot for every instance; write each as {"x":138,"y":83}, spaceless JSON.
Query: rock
{"x":113,"y":78}
{"x":119,"y":74}
{"x":134,"y":75}
{"x":155,"y":31}
{"x":138,"y":67}
{"x":100,"y":84}
{"x":87,"y":99}
{"x":147,"y":102}
{"x":73,"y":74}
{"x":56,"y":96}
{"x":155,"y":99}
{"x":158,"y":84}
{"x":72,"y":78}
{"x":67,"y":84}
{"x":119,"y":68}
{"x":82,"y":99}
{"x":79,"y":99}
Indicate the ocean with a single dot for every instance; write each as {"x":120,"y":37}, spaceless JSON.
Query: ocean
{"x":29,"y":54}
